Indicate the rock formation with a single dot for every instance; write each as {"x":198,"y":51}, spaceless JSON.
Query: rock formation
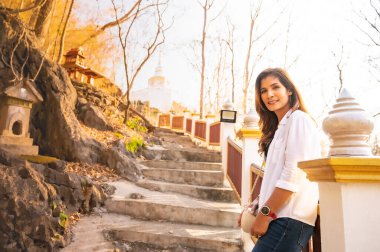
{"x":36,"y":199}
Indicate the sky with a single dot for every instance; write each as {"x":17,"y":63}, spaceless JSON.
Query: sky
{"x":317,"y":31}
{"x":318,"y":28}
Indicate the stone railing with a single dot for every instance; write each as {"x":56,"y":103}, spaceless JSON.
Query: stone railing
{"x":177,"y":122}
{"x":234,"y":171}
{"x":214,"y":139}
{"x":204,"y":132}
{"x":164,"y":120}
{"x":200,"y":130}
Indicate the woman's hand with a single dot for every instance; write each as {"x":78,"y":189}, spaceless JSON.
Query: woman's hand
{"x":260,"y":225}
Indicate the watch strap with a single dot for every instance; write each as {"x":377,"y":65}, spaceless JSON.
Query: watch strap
{"x":272,"y":215}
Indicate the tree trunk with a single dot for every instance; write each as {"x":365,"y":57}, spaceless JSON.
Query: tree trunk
{"x":40,"y":26}
{"x":34,"y":16}
{"x":126,"y":112}
{"x":246,"y":66}
{"x":148,"y":125}
{"x":61,"y":45}
{"x":203,"y":44}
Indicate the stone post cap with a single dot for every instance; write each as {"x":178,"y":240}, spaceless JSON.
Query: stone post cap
{"x":251,"y":120}
{"x":348,"y":126}
{"x":228,"y":105}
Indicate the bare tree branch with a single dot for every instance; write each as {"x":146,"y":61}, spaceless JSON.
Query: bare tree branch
{"x":371,"y":24}
{"x":127,"y":16}
{"x":230,"y":45}
{"x":35,"y":5}
{"x":59,"y":29}
{"x":150,"y":48}
{"x":339,"y":66}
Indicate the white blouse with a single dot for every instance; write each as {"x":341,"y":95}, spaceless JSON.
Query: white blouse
{"x":296,"y":139}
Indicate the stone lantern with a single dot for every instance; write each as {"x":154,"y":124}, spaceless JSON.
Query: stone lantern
{"x":15,"y":104}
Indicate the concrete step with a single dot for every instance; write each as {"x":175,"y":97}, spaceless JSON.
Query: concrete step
{"x":183,"y":155}
{"x":201,"y":192}
{"x":163,"y":131}
{"x":173,"y":236}
{"x":173,"y":207}
{"x":191,"y":177}
{"x":182,"y":165}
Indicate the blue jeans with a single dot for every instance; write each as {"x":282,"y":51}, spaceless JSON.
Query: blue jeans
{"x":284,"y":235}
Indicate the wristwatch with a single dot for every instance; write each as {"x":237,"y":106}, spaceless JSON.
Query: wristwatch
{"x":265,"y":210}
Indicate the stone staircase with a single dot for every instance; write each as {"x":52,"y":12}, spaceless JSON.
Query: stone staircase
{"x":181,"y":203}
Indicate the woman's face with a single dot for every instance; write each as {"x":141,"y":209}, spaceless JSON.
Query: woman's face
{"x":275,"y":96}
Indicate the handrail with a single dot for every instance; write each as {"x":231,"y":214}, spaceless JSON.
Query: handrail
{"x":256,"y":169}
{"x":214,"y":123}
{"x":236,"y":145}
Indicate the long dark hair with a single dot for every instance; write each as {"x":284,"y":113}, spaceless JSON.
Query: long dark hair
{"x":268,"y":120}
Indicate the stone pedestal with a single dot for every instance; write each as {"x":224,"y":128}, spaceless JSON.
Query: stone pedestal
{"x":349,"y":181}
{"x":349,"y":202}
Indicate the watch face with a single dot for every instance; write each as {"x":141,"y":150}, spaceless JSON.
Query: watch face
{"x":265,"y":210}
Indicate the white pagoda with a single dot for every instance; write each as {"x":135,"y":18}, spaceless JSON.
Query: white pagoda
{"x":158,"y":92}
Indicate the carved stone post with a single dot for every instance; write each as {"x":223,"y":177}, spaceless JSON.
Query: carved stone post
{"x":349,"y":181}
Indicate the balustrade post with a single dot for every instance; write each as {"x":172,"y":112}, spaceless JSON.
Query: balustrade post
{"x":349,"y":181}
{"x":171,"y":114}
{"x":226,"y":130}
{"x":194,"y":116}
{"x":250,"y":135}
{"x":157,"y":124}
{"x":210,"y":118}
{"x":185,"y":116}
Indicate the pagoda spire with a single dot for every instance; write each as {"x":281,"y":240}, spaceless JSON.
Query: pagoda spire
{"x":159,"y":71}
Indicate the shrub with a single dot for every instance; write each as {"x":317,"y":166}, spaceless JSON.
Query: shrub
{"x":63,"y":219}
{"x":134,"y":144}
{"x":118,"y":135}
{"x":136,"y":124}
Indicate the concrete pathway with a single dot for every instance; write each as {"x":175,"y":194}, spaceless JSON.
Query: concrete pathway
{"x":178,"y":206}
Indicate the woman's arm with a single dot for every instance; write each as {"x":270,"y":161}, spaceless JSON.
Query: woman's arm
{"x":275,"y":202}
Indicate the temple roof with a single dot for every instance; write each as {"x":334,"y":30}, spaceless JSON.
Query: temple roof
{"x":75,"y":51}
{"x":19,"y":90}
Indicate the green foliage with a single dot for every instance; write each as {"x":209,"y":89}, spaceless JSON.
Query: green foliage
{"x":63,"y":219}
{"x":136,"y":124}
{"x":118,"y":135}
{"x":134,"y":144}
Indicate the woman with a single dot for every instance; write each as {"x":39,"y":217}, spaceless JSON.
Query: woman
{"x":288,"y":200}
